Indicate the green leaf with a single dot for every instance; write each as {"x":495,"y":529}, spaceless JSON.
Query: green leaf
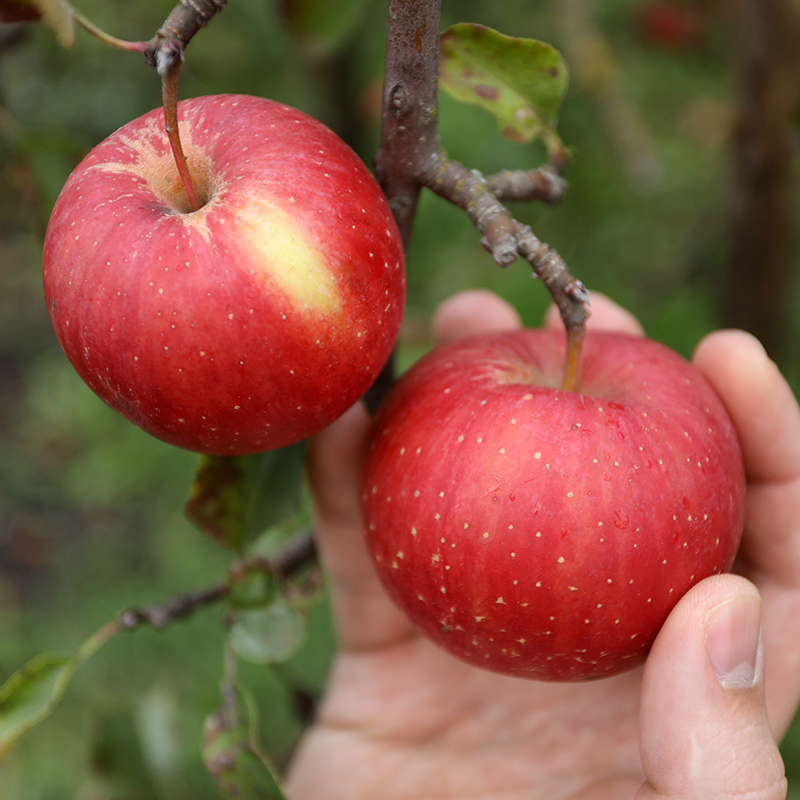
{"x":234,"y":500}
{"x":269,"y":634}
{"x":31,"y":694}
{"x":253,"y":588}
{"x":275,"y":487}
{"x":231,"y":752}
{"x":521,"y":81}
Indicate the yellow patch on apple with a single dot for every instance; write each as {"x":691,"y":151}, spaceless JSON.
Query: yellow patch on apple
{"x":296,"y":265}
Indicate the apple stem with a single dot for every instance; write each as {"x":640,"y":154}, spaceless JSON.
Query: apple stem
{"x":170,"y":77}
{"x":106,"y":38}
{"x":572,"y":371}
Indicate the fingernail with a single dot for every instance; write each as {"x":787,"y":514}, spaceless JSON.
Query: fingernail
{"x":733,"y":633}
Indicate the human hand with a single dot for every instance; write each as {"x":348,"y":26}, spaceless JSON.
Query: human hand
{"x":403,"y":719}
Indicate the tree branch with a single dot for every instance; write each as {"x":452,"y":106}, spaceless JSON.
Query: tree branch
{"x":410,"y":157}
{"x":409,"y":135}
{"x":544,"y":183}
{"x":296,"y":553}
{"x":179,"y":607}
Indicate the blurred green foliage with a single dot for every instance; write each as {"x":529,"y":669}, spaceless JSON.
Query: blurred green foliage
{"x":91,"y":508}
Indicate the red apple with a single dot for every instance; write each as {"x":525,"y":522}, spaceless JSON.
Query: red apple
{"x":544,"y":533}
{"x":671,"y":25}
{"x":248,"y":324}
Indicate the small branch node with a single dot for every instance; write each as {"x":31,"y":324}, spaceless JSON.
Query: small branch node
{"x":398,"y":99}
{"x":170,"y":52}
{"x":500,"y":235}
{"x":522,"y":185}
{"x":188,"y":17}
{"x":577,"y":291}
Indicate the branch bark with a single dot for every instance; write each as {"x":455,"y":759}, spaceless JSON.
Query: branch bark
{"x":410,"y":158}
{"x":409,"y":137}
{"x":184,"y":21}
{"x":296,"y":554}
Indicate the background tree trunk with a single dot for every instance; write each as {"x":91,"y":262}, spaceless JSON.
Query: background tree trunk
{"x":763,"y":256}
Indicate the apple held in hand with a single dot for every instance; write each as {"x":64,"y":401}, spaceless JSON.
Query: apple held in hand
{"x":250,"y":323}
{"x":544,"y":533}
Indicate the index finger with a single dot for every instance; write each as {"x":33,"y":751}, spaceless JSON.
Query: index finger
{"x":767,"y":418}
{"x":759,"y":400}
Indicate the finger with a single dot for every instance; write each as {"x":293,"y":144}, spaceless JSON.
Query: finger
{"x":471,"y":312}
{"x":605,"y":315}
{"x":364,"y":615}
{"x":759,"y":400}
{"x":704,"y":727}
{"x":767,"y":419}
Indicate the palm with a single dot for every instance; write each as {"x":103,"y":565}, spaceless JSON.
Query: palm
{"x":408,"y":721}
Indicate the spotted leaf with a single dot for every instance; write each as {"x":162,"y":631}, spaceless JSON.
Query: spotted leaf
{"x":235,"y":499}
{"x":521,"y":81}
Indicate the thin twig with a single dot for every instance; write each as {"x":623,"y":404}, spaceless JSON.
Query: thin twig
{"x":295,"y":554}
{"x":534,"y":184}
{"x":179,"y":607}
{"x":299,"y":551}
{"x":506,"y":239}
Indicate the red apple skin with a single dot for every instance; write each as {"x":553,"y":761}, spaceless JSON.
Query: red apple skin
{"x":544,"y":533}
{"x":244,"y":326}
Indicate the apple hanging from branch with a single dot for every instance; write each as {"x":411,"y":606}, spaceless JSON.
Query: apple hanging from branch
{"x":245,"y":325}
{"x":546,"y":533}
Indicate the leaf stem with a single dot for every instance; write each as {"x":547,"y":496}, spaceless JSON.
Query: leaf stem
{"x":107,"y":38}
{"x":96,"y":641}
{"x":572,"y":371}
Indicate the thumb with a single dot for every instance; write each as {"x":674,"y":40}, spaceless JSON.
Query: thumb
{"x":704,"y":726}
